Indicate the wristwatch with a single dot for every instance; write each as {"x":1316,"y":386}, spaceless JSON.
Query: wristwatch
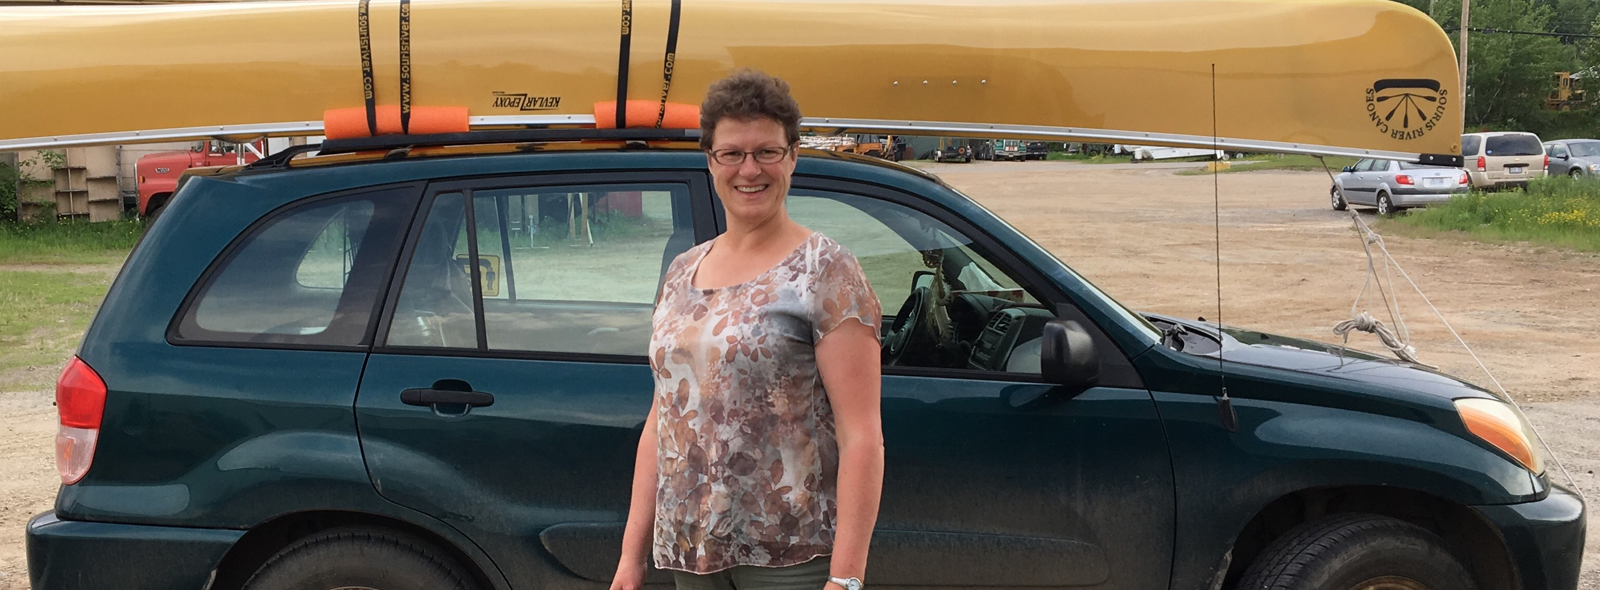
{"x":847,"y":583}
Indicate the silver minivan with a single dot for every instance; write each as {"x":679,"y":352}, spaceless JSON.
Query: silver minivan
{"x":1391,"y":186}
{"x":1503,"y":158}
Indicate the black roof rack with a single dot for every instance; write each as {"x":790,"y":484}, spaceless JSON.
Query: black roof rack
{"x":404,"y":142}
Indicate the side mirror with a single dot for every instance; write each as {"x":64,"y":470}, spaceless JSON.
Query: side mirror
{"x":1067,"y":356}
{"x":1349,"y":168}
{"x":1561,"y":157}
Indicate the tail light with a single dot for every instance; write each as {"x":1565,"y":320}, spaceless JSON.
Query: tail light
{"x":1403,"y":180}
{"x":1547,"y":160}
{"x":1464,"y":178}
{"x":81,"y":401}
{"x":1482,"y":165}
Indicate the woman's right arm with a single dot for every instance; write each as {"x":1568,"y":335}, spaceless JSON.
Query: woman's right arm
{"x":638,"y":536}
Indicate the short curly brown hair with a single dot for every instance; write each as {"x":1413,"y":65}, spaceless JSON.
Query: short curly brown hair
{"x":749,"y":95}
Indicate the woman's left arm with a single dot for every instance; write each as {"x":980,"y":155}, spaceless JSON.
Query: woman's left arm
{"x":847,"y":359}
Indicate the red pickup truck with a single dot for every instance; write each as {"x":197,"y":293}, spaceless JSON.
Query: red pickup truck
{"x":158,"y":173}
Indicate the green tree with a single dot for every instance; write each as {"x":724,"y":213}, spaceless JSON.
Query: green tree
{"x":1508,"y":75}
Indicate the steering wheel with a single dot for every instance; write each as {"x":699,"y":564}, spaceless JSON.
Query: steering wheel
{"x":909,"y":325}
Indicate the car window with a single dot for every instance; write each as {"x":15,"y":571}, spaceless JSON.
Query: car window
{"x":311,"y":275}
{"x":1411,"y":166}
{"x":1585,"y":149}
{"x":570,"y":269}
{"x":901,"y":250}
{"x":1470,"y":144}
{"x":1364,"y":165}
{"x":1556,"y":151}
{"x":1512,"y":145}
{"x":1380,"y":166}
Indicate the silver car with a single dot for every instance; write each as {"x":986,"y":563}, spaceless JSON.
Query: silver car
{"x":1573,"y":157}
{"x":1391,"y":186}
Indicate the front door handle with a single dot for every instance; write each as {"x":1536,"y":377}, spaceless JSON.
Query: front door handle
{"x":432,"y":396}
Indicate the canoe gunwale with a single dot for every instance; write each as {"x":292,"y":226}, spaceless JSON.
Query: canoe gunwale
{"x":825,"y":125}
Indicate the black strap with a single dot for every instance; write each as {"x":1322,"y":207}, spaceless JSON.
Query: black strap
{"x":405,"y":67}
{"x":622,"y":64}
{"x":672,"y":58}
{"x":364,"y":31}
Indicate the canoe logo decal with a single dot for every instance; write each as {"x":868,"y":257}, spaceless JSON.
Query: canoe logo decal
{"x":523,"y":101}
{"x":1406,"y":108}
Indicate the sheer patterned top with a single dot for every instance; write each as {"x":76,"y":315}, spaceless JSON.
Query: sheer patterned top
{"x":746,"y":452}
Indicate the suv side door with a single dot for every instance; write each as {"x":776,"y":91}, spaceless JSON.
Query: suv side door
{"x":990,"y":481}
{"x":508,"y":387}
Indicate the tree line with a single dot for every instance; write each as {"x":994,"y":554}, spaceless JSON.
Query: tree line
{"x":1509,"y":75}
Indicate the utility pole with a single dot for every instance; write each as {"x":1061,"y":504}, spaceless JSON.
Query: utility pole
{"x":1465,"y":4}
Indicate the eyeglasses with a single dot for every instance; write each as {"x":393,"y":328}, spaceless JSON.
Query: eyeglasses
{"x":766,"y":155}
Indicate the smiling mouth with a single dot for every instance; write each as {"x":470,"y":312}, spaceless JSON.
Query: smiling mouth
{"x":750,"y":189}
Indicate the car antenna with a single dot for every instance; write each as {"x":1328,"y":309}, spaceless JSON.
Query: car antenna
{"x":1230,"y":419}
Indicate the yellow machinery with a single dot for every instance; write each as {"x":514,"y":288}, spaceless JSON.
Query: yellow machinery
{"x":1567,"y":96}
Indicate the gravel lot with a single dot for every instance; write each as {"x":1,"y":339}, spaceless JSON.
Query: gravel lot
{"x":1289,"y":265}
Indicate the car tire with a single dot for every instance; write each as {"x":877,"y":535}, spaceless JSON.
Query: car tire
{"x":1339,"y":204}
{"x":1357,"y":552}
{"x":1575,"y":173}
{"x":1385,"y":205}
{"x":360,"y":558}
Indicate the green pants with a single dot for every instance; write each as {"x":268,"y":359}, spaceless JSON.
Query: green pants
{"x":811,"y":575}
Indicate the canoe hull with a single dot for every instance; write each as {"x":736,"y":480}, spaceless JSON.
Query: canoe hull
{"x":1318,"y":75}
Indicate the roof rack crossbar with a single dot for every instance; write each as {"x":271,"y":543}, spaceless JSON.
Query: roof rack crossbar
{"x":394,"y":142}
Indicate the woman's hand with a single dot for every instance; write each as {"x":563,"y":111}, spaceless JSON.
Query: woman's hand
{"x":630,"y":575}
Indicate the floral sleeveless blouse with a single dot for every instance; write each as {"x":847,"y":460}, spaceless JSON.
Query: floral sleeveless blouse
{"x":746,"y":453}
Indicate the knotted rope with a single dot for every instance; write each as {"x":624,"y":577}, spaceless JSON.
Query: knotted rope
{"x":1364,"y":322}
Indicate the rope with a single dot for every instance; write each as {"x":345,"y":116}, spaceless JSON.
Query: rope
{"x":1366,"y":323}
{"x":1370,"y":237}
{"x":1399,"y":344}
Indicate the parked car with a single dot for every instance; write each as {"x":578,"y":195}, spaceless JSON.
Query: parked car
{"x":390,"y":368}
{"x":1038,"y":150}
{"x":1391,"y":186}
{"x":1502,"y":159}
{"x":1573,"y":157}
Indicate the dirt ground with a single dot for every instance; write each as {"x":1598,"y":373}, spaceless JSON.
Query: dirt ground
{"x":1145,"y":235}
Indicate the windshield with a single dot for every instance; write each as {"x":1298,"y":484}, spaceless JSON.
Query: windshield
{"x":1584,"y":149}
{"x":1513,"y":145}
{"x":1144,"y":327}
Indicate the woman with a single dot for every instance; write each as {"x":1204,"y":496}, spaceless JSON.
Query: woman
{"x":762,"y":462}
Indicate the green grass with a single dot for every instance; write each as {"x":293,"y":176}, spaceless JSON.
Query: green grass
{"x":1560,"y":212}
{"x":1088,"y":159}
{"x":42,"y":316}
{"x":68,"y":242}
{"x":1283,"y":162}
{"x":46,"y":300}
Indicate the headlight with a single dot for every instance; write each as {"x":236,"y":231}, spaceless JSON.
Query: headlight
{"x":1595,"y":167}
{"x":1503,"y":426}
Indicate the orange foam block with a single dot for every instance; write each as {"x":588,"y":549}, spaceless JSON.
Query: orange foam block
{"x":352,"y":122}
{"x":643,"y":113}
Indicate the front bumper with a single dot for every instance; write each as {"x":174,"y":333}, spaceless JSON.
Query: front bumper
{"x":1544,"y":538}
{"x":70,"y":554}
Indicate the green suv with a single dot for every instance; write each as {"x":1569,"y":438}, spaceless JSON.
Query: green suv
{"x":425,"y":368}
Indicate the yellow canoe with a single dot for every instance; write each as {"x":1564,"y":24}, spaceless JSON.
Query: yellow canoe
{"x":1352,"y":77}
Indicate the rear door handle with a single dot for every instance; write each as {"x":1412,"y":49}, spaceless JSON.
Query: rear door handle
{"x":429,"y":397}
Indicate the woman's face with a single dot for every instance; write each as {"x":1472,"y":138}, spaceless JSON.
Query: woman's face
{"x":752,"y":192}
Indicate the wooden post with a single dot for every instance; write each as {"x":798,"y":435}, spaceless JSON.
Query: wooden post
{"x":1465,"y":5}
